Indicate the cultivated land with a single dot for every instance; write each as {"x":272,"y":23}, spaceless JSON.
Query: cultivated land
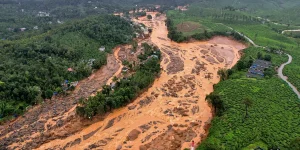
{"x":189,"y":27}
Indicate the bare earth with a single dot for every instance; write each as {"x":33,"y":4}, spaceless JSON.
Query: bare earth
{"x":171,"y":113}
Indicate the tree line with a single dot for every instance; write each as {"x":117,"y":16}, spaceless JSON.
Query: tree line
{"x":177,"y":36}
{"x":126,"y":89}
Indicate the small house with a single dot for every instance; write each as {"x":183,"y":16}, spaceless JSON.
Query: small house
{"x":154,"y":56}
{"x":22,"y":29}
{"x":70,"y":69}
{"x":113,"y":85}
{"x":74,"y":84}
{"x":102,"y":49}
{"x":91,"y":62}
{"x":43,"y":14}
{"x":257,"y":68}
{"x":125,"y":69}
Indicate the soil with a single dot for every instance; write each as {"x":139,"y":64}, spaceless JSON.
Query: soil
{"x":173,"y":110}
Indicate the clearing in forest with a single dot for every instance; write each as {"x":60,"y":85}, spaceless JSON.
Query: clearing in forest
{"x":190,"y":26}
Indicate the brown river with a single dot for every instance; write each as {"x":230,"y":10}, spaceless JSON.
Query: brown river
{"x":173,"y":111}
{"x":168,"y":115}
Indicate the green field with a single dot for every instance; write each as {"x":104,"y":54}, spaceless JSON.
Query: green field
{"x":273,"y":117}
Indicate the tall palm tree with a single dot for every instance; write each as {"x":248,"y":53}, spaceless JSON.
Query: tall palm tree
{"x":248,"y":103}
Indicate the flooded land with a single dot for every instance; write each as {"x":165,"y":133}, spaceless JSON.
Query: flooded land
{"x":173,"y":111}
{"x":168,"y":115}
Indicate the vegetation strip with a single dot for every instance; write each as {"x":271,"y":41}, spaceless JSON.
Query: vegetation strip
{"x":126,"y":89}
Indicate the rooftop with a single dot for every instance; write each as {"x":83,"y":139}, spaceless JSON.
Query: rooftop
{"x":258,"y":67}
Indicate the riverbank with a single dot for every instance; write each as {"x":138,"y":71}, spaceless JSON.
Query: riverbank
{"x":174,"y":107}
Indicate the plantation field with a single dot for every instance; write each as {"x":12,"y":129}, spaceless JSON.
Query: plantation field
{"x":204,"y":23}
{"x":273,"y":116}
{"x":189,"y":28}
{"x":274,"y":10}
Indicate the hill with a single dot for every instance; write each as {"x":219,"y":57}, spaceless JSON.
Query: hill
{"x":33,"y":68}
{"x":275,"y":10}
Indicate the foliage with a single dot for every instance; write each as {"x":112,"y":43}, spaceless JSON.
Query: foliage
{"x":149,"y":17}
{"x":273,"y":104}
{"x":207,"y":31}
{"x":125,"y":91}
{"x":224,"y":74}
{"x":149,"y":51}
{"x":248,"y":103}
{"x":215,"y":100}
{"x":33,"y":68}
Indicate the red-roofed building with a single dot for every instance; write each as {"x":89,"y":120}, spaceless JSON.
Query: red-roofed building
{"x":70,"y":69}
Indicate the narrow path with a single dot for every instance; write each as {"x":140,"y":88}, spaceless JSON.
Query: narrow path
{"x":280,"y":74}
{"x":284,"y":78}
{"x":290,"y":30}
{"x":248,"y":39}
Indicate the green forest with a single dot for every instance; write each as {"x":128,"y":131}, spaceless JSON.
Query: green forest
{"x":34,"y":68}
{"x":17,"y":16}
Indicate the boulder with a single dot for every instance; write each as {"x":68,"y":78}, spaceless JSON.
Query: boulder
{"x":133,"y":135}
{"x":131,"y":107}
{"x":119,"y":147}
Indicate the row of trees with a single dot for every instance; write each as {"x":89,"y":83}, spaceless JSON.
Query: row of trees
{"x":173,"y":34}
{"x":236,"y":17}
{"x":124,"y":91}
{"x":177,"y":36}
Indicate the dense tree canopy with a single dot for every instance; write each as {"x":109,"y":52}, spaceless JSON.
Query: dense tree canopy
{"x":35,"y":67}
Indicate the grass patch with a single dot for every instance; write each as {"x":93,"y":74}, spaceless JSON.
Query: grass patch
{"x":256,"y":145}
{"x":189,"y":28}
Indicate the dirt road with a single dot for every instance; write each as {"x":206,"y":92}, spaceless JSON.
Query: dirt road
{"x":290,"y":31}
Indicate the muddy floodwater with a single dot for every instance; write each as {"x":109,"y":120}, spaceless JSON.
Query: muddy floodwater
{"x":173,"y":111}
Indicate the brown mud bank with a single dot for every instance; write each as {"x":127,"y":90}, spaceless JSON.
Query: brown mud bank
{"x":54,"y":118}
{"x":173,"y":111}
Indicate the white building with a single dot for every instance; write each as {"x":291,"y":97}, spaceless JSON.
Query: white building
{"x":22,"y":29}
{"x":102,"y":49}
{"x":43,"y":14}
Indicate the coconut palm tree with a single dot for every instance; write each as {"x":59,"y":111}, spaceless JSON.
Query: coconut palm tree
{"x":248,"y":103}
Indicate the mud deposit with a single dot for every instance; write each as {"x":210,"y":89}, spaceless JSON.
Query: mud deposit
{"x":171,"y":113}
